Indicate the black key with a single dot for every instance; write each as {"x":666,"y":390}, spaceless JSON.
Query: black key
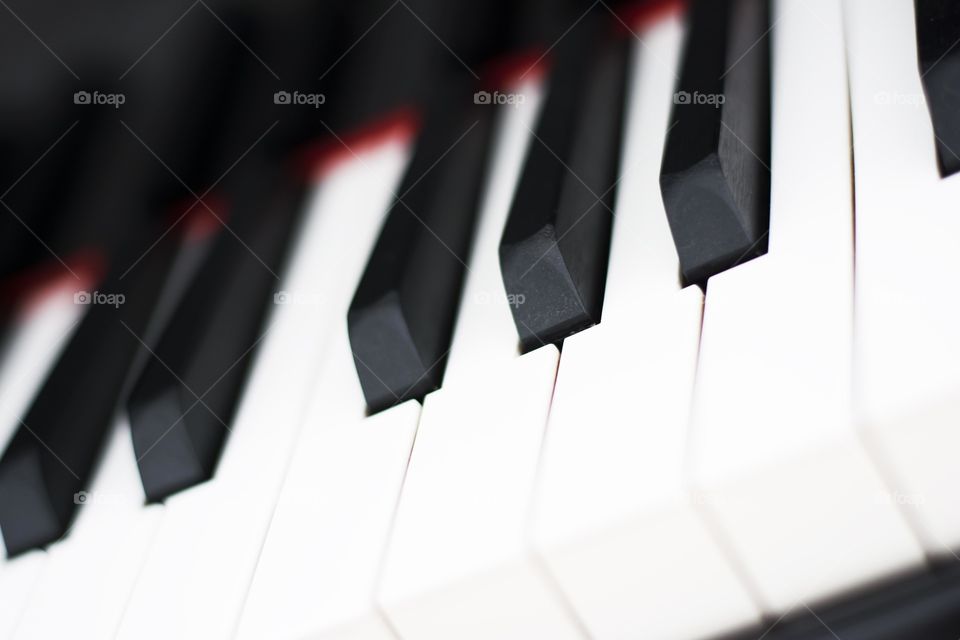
{"x":401,"y":317}
{"x":715,"y":178}
{"x":184,"y":400}
{"x":414,"y":47}
{"x":554,"y":249}
{"x":53,"y":453}
{"x":938,"y":30}
{"x":924,"y":605}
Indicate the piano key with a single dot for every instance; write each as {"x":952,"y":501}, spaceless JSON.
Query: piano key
{"x":89,"y":574}
{"x":210,"y":537}
{"x":938,"y":29}
{"x":182,"y":406}
{"x":37,"y":336}
{"x":326,"y":543}
{"x":715,"y":176}
{"x":906,"y":348}
{"x":554,"y":249}
{"x":613,"y":518}
{"x":87,"y":577}
{"x":775,"y":452}
{"x":318,"y":570}
{"x":456,"y":564}
{"x":51,"y":457}
{"x":485,"y":331}
{"x":405,"y":51}
{"x":402,"y":315}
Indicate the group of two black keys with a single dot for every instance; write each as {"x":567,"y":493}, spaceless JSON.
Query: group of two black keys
{"x":553,"y":251}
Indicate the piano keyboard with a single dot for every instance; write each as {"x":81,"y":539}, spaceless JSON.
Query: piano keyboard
{"x":638,"y":332}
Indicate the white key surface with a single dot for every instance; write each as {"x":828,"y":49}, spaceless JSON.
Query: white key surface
{"x":457,"y":564}
{"x":199,"y":568}
{"x":907,"y":348}
{"x":613,"y":520}
{"x":88,"y":575}
{"x":777,"y":458}
{"x":321,"y":559}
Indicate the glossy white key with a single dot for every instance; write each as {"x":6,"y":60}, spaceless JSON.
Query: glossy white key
{"x":320,"y":562}
{"x":907,"y":347}
{"x":319,"y":568}
{"x":613,"y":521}
{"x":198,"y":571}
{"x":38,"y":333}
{"x":322,"y":555}
{"x":485,"y":331}
{"x":776,"y":453}
{"x":88,"y":575}
{"x":458,"y":564}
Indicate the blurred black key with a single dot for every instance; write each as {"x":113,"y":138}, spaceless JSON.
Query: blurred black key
{"x":413,"y":48}
{"x":184,"y":400}
{"x":53,"y":453}
{"x":924,"y":605}
{"x":938,"y":30}
{"x":401,"y":317}
{"x":715,"y":177}
{"x":554,"y":249}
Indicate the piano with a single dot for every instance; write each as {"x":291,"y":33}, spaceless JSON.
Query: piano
{"x":418,"y":320}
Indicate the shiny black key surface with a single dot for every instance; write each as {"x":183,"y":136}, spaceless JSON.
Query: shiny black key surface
{"x":715,"y":176}
{"x":938,"y":30}
{"x":554,"y":248}
{"x":401,"y":317}
{"x":182,"y":406}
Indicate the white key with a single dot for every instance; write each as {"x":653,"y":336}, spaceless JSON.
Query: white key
{"x":88,"y":575}
{"x":775,"y":450}
{"x":457,"y":564}
{"x":319,"y":568}
{"x":907,"y":348}
{"x":322,"y":555}
{"x":200,"y":565}
{"x":39,"y":332}
{"x":320,"y":562}
{"x":613,"y":520}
